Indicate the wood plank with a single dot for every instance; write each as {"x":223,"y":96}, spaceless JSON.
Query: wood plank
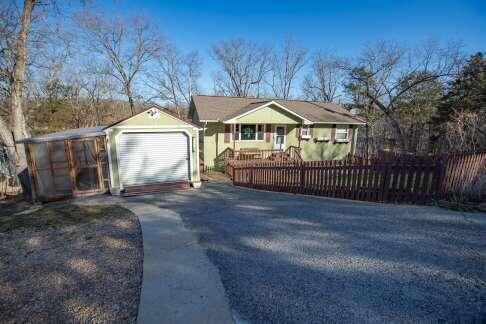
{"x":34,"y":175}
{"x":159,"y":187}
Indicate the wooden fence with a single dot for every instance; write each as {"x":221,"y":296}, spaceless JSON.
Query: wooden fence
{"x":414,"y":180}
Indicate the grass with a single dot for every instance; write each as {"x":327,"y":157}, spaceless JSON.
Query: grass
{"x":24,"y":215}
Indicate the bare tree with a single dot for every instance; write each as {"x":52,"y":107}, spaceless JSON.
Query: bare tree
{"x":174,"y":77}
{"x":126,"y":44}
{"x":17,"y":118}
{"x":285,"y":65}
{"x":385,"y":73}
{"x":8,"y":35}
{"x":325,"y":80}
{"x":464,"y":132}
{"x":244,"y":66}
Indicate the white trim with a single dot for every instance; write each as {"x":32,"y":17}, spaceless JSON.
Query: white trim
{"x":197,"y":158}
{"x":308,"y":135}
{"x":340,"y":123}
{"x":144,"y":111}
{"x":341,"y":140}
{"x":156,"y":126}
{"x":162,"y":131}
{"x":233,"y":120}
{"x":275,"y":135}
{"x":256,"y":133}
{"x":110,"y":161}
{"x":209,"y":120}
{"x":341,"y":130}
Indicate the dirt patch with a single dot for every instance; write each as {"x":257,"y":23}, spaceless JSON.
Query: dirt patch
{"x":68,"y":263}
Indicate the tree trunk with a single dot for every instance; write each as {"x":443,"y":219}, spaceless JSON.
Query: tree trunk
{"x":19,"y":128}
{"x":402,"y":143}
{"x":130,"y":99}
{"x":7,"y":139}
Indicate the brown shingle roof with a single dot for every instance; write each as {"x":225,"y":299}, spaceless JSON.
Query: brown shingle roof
{"x":219,"y":108}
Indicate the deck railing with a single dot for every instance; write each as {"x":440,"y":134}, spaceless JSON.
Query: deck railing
{"x":252,"y":156}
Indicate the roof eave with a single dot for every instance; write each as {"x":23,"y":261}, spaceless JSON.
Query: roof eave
{"x":339,"y":123}
{"x":233,"y":119}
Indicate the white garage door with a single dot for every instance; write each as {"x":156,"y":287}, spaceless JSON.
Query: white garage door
{"x":153,"y":158}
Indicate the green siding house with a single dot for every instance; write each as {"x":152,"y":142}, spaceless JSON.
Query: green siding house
{"x":321,"y":130}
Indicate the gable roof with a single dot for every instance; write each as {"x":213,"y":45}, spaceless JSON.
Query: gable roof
{"x":220,"y":108}
{"x":258,"y":105}
{"x":162,"y":110}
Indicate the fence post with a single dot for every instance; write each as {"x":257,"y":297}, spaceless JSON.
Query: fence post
{"x":302,"y":178}
{"x":251,"y":176}
{"x":386,"y":181}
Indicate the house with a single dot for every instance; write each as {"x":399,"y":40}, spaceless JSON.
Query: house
{"x":149,"y":150}
{"x":322,"y":130}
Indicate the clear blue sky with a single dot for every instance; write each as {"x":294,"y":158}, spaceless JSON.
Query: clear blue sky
{"x":343,"y":26}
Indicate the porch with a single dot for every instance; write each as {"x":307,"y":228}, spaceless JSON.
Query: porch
{"x":231,"y":158}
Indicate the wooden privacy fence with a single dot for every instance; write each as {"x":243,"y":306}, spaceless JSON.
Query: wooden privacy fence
{"x":414,"y":180}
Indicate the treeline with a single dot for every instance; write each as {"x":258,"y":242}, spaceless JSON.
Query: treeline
{"x":84,"y":68}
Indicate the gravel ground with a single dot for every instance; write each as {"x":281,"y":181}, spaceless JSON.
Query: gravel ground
{"x":292,"y":258}
{"x":89,"y":272}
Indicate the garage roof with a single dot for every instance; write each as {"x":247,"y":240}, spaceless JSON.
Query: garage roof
{"x":67,"y":134}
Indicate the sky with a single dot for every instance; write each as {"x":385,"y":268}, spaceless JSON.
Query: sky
{"x":341,"y":26}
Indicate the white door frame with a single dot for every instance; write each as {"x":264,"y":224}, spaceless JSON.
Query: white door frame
{"x":284,"y":138}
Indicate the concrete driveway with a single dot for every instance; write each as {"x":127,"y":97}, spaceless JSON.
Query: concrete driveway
{"x":293,"y":258}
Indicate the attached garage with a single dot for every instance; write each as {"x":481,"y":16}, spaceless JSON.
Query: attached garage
{"x":153,"y":148}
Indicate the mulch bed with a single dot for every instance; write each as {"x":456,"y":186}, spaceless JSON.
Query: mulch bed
{"x":72,"y":269}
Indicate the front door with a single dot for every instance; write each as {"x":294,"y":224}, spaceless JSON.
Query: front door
{"x":279,"y":143}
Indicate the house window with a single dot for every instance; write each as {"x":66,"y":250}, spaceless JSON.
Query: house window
{"x":305,"y":131}
{"x":260,"y":132}
{"x":248,"y":133}
{"x":237,"y":132}
{"x":341,"y":133}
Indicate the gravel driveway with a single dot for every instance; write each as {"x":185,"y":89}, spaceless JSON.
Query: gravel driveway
{"x":86,"y":272}
{"x":293,"y":258}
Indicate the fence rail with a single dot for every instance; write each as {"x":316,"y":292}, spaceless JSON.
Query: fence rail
{"x":414,"y":180}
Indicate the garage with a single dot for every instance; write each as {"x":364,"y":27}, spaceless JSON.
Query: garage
{"x":151,"y":150}
{"x":148,"y":158}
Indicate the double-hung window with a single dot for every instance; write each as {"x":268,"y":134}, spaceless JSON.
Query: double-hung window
{"x":249,"y":132}
{"x":305,"y":131}
{"x":341,"y":133}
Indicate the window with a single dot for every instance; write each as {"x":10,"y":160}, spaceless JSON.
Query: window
{"x":237,"y":132}
{"x":248,"y":133}
{"x":341,"y":133}
{"x":260,"y":132}
{"x":305,"y":131}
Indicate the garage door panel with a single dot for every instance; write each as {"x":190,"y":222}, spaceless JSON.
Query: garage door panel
{"x":153,"y":158}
